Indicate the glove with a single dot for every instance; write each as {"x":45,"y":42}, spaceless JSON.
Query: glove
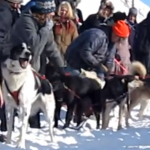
{"x":68,"y":71}
{"x":49,"y":24}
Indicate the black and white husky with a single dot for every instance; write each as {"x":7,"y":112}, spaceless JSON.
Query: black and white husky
{"x":25,"y":90}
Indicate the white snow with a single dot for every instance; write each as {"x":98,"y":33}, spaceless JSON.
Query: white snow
{"x":88,"y":138}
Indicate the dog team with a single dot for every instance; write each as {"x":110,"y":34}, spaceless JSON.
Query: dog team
{"x":80,"y":93}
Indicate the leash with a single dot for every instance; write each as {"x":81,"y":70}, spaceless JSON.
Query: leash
{"x":126,"y":70}
{"x":71,"y":91}
{"x":122,"y":67}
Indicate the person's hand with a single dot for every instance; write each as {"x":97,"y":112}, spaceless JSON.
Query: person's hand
{"x":49,"y":24}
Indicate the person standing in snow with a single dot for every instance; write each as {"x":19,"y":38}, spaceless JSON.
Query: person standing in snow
{"x":95,"y":20}
{"x":65,"y":30}
{"x":35,"y":29}
{"x":131,"y":18}
{"x":77,"y":13}
{"x":9,"y":13}
{"x":123,"y":53}
{"x":141,"y":46}
{"x":99,"y":48}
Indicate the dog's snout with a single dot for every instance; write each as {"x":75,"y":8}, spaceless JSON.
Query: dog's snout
{"x":27,"y":54}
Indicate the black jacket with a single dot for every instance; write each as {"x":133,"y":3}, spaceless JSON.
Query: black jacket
{"x":93,"y":21}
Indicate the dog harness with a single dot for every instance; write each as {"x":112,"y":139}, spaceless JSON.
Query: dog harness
{"x":15,"y":94}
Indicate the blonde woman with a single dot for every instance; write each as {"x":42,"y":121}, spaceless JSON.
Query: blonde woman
{"x":65,"y":30}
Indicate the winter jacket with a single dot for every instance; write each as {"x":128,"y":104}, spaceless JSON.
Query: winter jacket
{"x":93,"y":21}
{"x":141,"y":46}
{"x":89,"y":50}
{"x":40,"y":39}
{"x":124,"y":53}
{"x":7,"y":18}
{"x":64,"y":34}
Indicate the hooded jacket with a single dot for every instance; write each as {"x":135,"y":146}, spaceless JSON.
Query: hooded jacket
{"x":40,"y":39}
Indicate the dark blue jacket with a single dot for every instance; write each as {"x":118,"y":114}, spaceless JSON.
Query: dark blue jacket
{"x":89,"y":50}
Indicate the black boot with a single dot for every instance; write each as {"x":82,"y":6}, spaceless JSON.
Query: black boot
{"x":34,"y":121}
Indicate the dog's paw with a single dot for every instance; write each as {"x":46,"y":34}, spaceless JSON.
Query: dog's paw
{"x":97,"y":127}
{"x":139,"y":116}
{"x":53,"y":140}
{"x":65,"y":126}
{"x":119,"y":127}
{"x":21,"y":146}
{"x":8,"y":141}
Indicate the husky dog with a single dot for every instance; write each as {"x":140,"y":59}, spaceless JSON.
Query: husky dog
{"x":139,"y":96}
{"x":25,"y":90}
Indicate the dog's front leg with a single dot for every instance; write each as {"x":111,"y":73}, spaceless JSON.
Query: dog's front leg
{"x":105,"y":115}
{"x":121,"y":112}
{"x":23,"y":116}
{"x":49,"y":110}
{"x":127,"y":116}
{"x":9,"y":116}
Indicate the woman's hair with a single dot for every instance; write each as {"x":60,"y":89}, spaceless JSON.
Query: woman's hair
{"x":66,"y":5}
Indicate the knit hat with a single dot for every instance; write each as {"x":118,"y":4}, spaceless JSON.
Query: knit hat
{"x":133,"y":11}
{"x":15,"y":1}
{"x":116,"y":17}
{"x":121,"y":29}
{"x":44,"y":6}
{"x":107,"y":4}
{"x":119,"y":16}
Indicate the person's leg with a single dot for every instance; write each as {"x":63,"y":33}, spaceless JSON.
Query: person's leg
{"x":3,"y":125}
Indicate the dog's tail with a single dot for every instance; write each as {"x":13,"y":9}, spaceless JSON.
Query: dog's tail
{"x":137,"y":68}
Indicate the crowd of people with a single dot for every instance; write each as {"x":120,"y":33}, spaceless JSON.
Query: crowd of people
{"x":58,"y":34}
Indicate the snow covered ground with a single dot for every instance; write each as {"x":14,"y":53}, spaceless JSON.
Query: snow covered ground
{"x":134,"y":138}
